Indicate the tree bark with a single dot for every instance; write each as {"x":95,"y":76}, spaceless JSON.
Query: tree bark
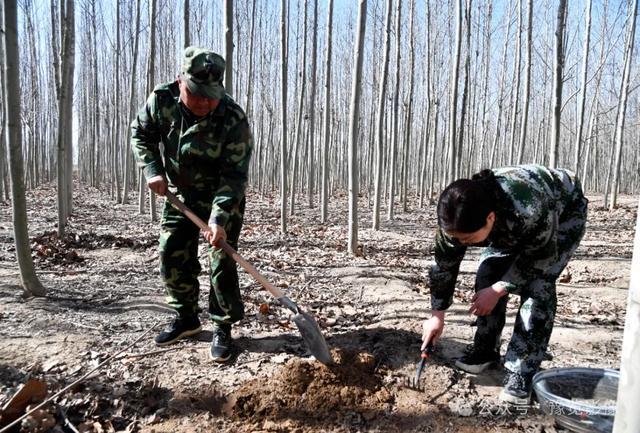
{"x":324,"y":205}
{"x":622,"y":106}
{"x":283,"y":116}
{"x":228,"y":45}
{"x":583,"y":89}
{"x":132,"y":106}
{"x":380,"y":114}
{"x":185,"y":20}
{"x":453,"y":98}
{"x":353,"y":127}
{"x":396,"y":114}
{"x":558,"y":75}
{"x":627,"y":417}
{"x":11,"y":105}
{"x":527,"y":84}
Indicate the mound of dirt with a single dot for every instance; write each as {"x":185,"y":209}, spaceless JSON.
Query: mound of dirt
{"x":305,"y":390}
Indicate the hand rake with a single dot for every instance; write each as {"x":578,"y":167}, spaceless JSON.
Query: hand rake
{"x":414,"y":383}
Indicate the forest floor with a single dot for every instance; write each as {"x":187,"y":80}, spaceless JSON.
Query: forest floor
{"x":104,"y":292}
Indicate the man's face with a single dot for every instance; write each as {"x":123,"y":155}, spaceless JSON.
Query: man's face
{"x":198,"y":105}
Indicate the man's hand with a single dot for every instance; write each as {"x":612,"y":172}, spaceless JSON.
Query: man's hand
{"x":158,"y":184}
{"x":432,"y":329}
{"x":214,"y":234}
{"x":485,"y":300}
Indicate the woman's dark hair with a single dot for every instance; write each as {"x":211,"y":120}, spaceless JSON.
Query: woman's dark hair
{"x":464,"y":205}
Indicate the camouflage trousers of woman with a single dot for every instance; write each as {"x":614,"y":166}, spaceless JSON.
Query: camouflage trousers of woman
{"x":534,"y":320}
{"x":180,"y":267}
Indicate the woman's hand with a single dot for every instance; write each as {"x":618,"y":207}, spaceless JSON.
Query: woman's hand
{"x":485,"y":300}
{"x":432,"y":329}
{"x":214,"y":234}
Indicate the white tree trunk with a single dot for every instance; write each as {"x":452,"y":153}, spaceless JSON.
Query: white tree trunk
{"x":622,"y":106}
{"x":324,"y":205}
{"x":627,"y":415}
{"x":228,"y":46}
{"x":380,"y":115}
{"x":353,"y":127}
{"x":453,"y":97}
{"x":283,"y":116}
{"x":583,"y":89}
{"x":30,"y":283}
{"x":558,"y":75}
{"x":396,"y":114}
{"x":132,"y":107}
{"x":527,"y":84}
{"x":185,"y":21}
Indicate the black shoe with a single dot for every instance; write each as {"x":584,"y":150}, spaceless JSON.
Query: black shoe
{"x":222,"y":344}
{"x":476,"y":361}
{"x":180,"y":328}
{"x":517,"y":388}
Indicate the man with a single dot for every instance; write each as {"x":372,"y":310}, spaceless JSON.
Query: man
{"x":530,"y":219}
{"x":206,"y":147}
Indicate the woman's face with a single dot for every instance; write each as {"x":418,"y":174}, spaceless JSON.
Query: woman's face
{"x":478,"y":236}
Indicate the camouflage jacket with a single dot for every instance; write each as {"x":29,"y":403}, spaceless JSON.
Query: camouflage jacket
{"x":532,"y":201}
{"x":199,"y":155}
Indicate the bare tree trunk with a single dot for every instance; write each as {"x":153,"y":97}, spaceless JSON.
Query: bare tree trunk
{"x":380,"y":115}
{"x":11,"y":106}
{"x":327,"y":118}
{"x":516,"y":94}
{"x":185,"y":20}
{"x":132,"y":106}
{"x":527,"y":84}
{"x":228,"y":45}
{"x":65,"y":113}
{"x":396,"y":113}
{"x":583,"y":88}
{"x":283,"y":118}
{"x":453,"y":100}
{"x":465,"y":90}
{"x":299,"y":126}
{"x":150,"y":80}
{"x":558,"y":71}
{"x":312,"y":107}
{"x":408,"y":126}
{"x":248,"y":102}
{"x":353,"y":127}
{"x":622,"y":105}
{"x":627,"y":417}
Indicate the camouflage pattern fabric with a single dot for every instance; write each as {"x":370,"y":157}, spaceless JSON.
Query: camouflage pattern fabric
{"x":179,"y":264}
{"x":206,"y":162}
{"x":540,"y":221}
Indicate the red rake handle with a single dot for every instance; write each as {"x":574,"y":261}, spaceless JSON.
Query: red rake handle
{"x":277,"y":293}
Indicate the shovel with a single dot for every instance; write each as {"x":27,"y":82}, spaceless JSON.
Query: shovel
{"x":305,"y":322}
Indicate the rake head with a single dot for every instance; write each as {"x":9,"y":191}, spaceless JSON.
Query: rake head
{"x":413,"y":383}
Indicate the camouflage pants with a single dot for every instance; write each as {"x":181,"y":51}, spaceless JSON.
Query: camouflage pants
{"x":534,"y":320}
{"x":179,"y":264}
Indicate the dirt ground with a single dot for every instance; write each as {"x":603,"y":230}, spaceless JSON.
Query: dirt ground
{"x":104,"y":292}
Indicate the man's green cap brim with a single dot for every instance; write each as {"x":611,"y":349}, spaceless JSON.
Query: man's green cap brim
{"x":212,"y":91}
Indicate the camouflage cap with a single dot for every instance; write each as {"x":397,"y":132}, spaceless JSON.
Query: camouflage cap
{"x":203,"y":70}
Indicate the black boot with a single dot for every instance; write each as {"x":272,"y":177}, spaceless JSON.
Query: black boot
{"x":517,"y":388}
{"x":477,"y":360}
{"x":221,"y":346}
{"x":182,"y":326}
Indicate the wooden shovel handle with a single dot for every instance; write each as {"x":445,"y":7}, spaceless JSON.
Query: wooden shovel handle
{"x":226,"y":247}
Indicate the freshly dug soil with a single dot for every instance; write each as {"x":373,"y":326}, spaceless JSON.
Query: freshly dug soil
{"x":310,"y":390}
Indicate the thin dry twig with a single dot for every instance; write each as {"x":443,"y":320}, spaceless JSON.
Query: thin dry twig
{"x":153,"y":352}
{"x":68,"y":387}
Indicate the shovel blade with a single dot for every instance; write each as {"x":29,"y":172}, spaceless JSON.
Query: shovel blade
{"x":313,"y":337}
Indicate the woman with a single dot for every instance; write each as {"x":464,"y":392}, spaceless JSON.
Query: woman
{"x":530,"y":220}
